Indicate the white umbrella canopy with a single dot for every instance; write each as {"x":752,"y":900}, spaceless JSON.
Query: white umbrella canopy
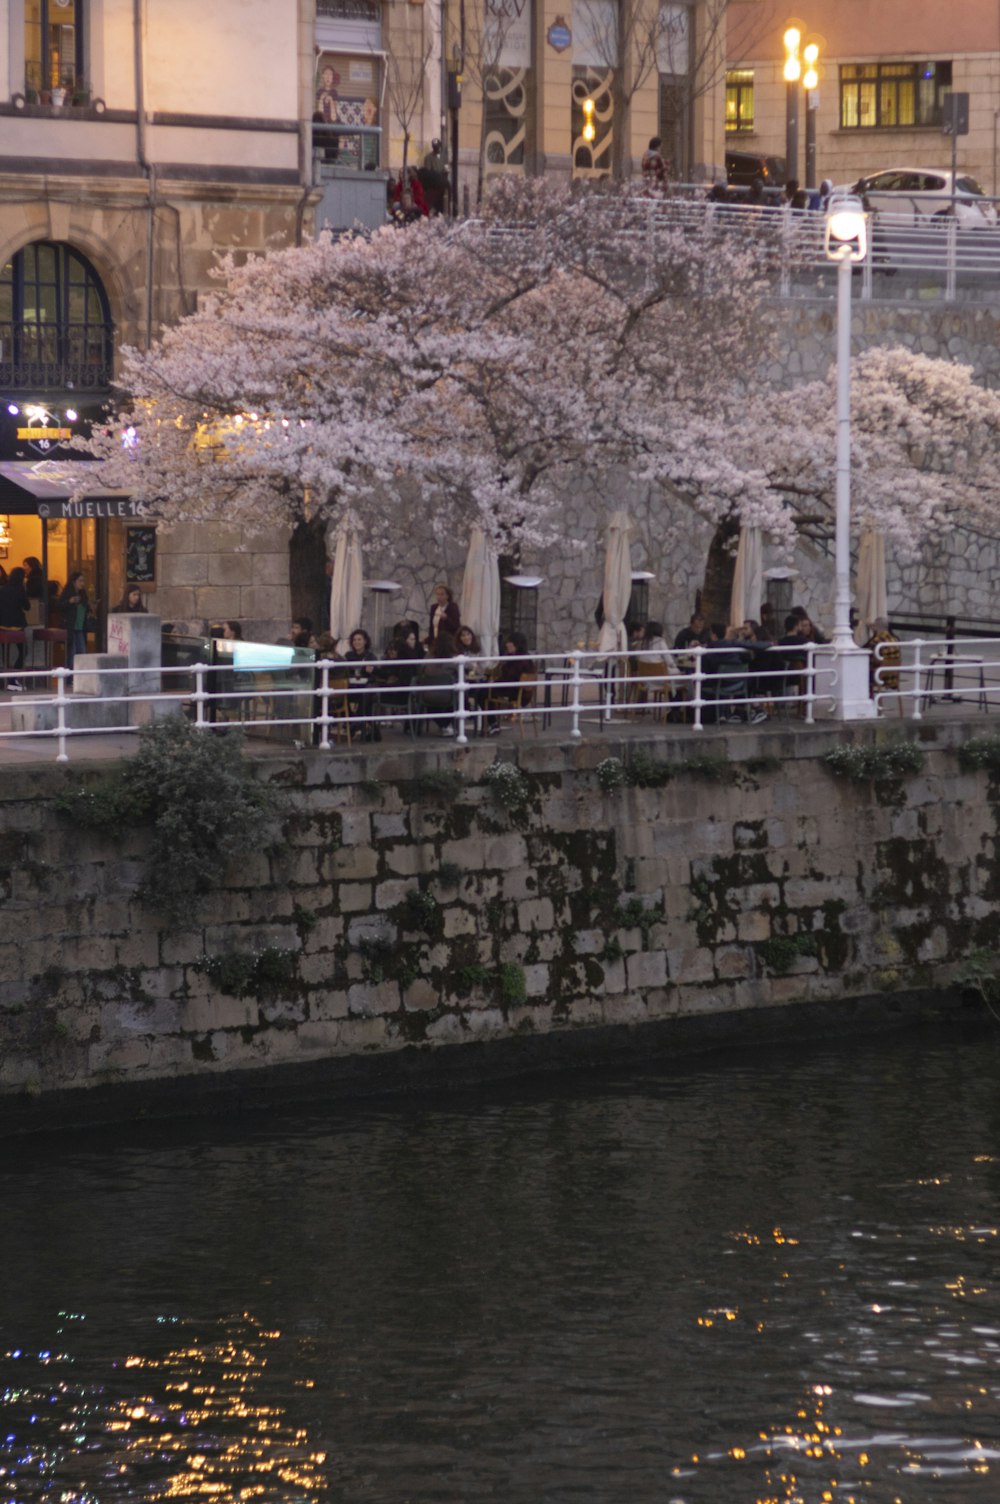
{"x":872,"y":596}
{"x":748,"y":579}
{"x":480,"y":601}
{"x":347,"y":583}
{"x":617,"y":584}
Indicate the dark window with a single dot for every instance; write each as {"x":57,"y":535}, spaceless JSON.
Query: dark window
{"x":55,"y":324}
{"x":739,"y":100}
{"x":53,"y":44}
{"x":890,"y":96}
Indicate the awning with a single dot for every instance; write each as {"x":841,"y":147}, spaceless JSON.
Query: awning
{"x":43,"y":488}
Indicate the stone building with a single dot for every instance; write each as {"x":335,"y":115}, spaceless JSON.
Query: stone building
{"x":136,"y":144}
{"x":528,"y":80}
{"x":884,"y":72}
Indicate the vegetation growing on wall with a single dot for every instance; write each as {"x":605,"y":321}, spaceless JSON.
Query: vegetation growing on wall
{"x":193,"y":792}
{"x":861,"y":764}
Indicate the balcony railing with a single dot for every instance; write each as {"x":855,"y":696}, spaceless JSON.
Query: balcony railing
{"x":38,"y":357}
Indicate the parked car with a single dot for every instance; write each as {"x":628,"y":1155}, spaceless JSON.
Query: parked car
{"x":742,"y":167}
{"x":925,"y":193}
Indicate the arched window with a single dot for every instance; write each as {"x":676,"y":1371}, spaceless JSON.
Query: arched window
{"x":55,"y":323}
{"x":53,"y":44}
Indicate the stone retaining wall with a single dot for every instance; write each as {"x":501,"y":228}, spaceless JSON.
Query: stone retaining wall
{"x":402,"y":909}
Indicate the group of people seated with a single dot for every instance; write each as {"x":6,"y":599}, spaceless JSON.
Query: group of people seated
{"x":745,"y":668}
{"x":418,"y":674}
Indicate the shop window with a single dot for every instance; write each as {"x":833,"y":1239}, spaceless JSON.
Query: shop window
{"x":55,"y":323}
{"x":892,"y":96}
{"x":739,"y":100}
{"x":53,"y":46}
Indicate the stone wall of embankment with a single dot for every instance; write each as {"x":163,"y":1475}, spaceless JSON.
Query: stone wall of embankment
{"x":413,"y":904}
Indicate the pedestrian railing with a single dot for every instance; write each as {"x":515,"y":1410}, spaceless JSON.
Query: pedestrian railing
{"x":911,"y":256}
{"x":914,"y":677}
{"x":321,"y":704}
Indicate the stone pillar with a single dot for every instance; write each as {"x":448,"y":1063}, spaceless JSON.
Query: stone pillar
{"x":135,"y":636}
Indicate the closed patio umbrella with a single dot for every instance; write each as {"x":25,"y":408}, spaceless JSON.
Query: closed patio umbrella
{"x":617,"y":584}
{"x":872,"y":596}
{"x":347,"y":582}
{"x":480,"y":600}
{"x":748,"y":580}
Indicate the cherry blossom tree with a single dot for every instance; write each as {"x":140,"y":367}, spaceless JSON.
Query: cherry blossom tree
{"x":442,"y":376}
{"x":457,"y":374}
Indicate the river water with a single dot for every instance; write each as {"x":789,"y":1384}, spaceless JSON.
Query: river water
{"x":765,"y":1277}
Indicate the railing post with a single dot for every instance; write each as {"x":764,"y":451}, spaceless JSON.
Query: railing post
{"x":61,"y":676}
{"x":951,"y":277}
{"x":200,"y":670}
{"x":575,"y":732}
{"x":324,"y":706}
{"x":917,"y":666}
{"x":699,"y":680}
{"x":461,"y":739}
{"x":810,"y":681}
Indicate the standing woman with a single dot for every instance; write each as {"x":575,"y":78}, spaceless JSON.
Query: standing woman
{"x":13,"y":606}
{"x":75,"y":605}
{"x":360,"y":675}
{"x":34,"y":584}
{"x":445,"y":615}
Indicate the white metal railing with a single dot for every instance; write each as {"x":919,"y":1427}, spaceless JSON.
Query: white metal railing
{"x":918,"y":674}
{"x":330,"y":703}
{"x":912,"y":256}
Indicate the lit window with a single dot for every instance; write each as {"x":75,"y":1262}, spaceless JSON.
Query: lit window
{"x":892,"y":96}
{"x":739,"y":100}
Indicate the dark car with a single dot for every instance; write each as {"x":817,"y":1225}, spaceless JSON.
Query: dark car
{"x":742,"y":167}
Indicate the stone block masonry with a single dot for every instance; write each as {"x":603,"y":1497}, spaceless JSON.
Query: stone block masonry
{"x":401,"y":912}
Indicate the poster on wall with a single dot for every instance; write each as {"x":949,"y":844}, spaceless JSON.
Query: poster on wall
{"x":140,"y":556}
{"x":346,"y":90}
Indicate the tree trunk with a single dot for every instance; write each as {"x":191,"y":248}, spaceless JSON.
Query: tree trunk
{"x":720,"y":566}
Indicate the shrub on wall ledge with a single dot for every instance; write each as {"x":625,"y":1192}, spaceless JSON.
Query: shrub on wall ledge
{"x":875,"y":764}
{"x":981,"y":752}
{"x":192,"y":789}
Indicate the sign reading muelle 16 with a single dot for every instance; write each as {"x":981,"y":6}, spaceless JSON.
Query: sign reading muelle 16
{"x":116,"y":506}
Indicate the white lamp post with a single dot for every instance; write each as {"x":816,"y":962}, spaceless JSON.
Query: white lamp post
{"x":846,"y":244}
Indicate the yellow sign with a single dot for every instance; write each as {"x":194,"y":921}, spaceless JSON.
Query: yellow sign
{"x":34,"y":434}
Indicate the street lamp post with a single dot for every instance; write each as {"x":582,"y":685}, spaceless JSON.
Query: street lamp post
{"x":846,"y":244}
{"x":810,"y":82}
{"x":792,"y":72}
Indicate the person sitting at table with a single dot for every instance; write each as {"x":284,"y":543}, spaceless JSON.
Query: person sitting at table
{"x":468,"y":643}
{"x":434,"y":684}
{"x":694,"y":635}
{"x":444,"y":615}
{"x":14,"y":604}
{"x":400,"y":665}
{"x":507,"y":691}
{"x":883,"y":667}
{"x":726,"y":665}
{"x":131,"y":603}
{"x":361,"y":674}
{"x":652,"y":653}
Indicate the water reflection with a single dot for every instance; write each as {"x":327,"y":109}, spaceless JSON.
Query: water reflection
{"x":771,"y":1280}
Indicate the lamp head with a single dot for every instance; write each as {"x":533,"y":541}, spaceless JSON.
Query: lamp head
{"x":846,"y":236}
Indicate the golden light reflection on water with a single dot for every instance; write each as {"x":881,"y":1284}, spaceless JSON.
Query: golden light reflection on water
{"x":811,"y":1457}
{"x":193,"y":1419}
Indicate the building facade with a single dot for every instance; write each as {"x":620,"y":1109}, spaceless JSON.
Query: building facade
{"x":137,"y":143}
{"x":884,"y":73}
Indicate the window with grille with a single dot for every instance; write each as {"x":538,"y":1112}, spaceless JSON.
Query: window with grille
{"x":55,"y":323}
